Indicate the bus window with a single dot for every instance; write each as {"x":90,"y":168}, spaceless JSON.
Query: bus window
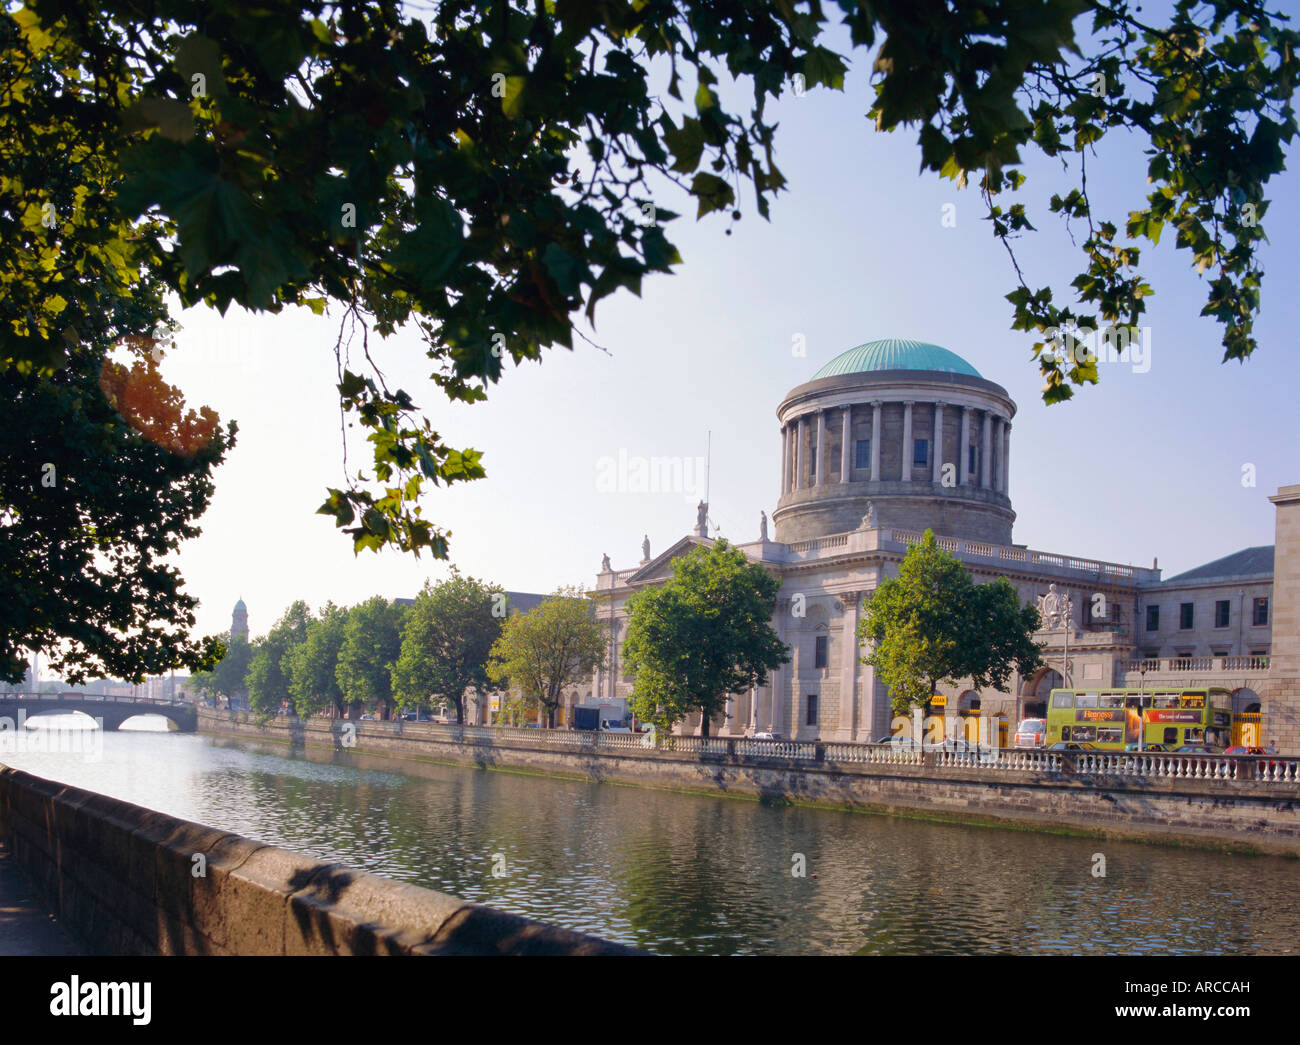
{"x":1109,"y":735}
{"x":1171,"y":735}
{"x":1193,"y":735}
{"x":1084,"y":733}
{"x":1085,"y":700}
{"x":1062,"y":700}
{"x":1065,"y":732}
{"x":1112,"y":700}
{"x":1165,"y":700}
{"x":1193,"y":700}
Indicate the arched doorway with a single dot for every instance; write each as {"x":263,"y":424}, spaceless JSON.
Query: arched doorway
{"x":1247,"y":718}
{"x":1040,"y":688}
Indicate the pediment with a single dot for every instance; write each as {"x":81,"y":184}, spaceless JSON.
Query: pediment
{"x":660,"y":567}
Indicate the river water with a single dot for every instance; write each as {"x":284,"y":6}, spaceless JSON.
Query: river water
{"x":689,"y":874}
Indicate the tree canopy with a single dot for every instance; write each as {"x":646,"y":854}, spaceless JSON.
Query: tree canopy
{"x":313,"y":664}
{"x":932,"y":625}
{"x":268,"y":673}
{"x":552,"y":646}
{"x":490,"y":171}
{"x":446,"y":640}
{"x":704,"y":633}
{"x":229,"y":677}
{"x":372,"y":643}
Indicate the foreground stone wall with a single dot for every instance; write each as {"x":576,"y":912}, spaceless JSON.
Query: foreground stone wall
{"x":1233,"y":814}
{"x":123,"y":879}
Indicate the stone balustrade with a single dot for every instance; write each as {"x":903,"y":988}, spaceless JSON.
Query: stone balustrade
{"x":1184,"y":665}
{"x":1259,"y":768}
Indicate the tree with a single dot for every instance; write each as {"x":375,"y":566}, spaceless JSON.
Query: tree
{"x":547,"y":649}
{"x":229,"y":678}
{"x":268,"y":674}
{"x":705,"y":633}
{"x":313,"y":682}
{"x":103,"y":470}
{"x":102,"y":475}
{"x":446,"y":641}
{"x":493,"y":172}
{"x":372,"y":642}
{"x":933,"y":625}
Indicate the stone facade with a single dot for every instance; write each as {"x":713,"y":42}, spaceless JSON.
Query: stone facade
{"x":846,"y":517}
{"x":1281,"y":692}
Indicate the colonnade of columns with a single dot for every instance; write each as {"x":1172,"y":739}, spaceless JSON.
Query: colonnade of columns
{"x":804,"y":442}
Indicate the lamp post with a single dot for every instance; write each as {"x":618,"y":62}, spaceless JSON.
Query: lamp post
{"x":1142,"y":689}
{"x":1067,"y":622}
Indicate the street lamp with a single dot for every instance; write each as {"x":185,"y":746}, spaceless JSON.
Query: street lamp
{"x":1142,"y":689}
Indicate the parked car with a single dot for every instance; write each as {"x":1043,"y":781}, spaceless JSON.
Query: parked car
{"x":1239,"y":750}
{"x":1197,"y":749}
{"x":368,"y":717}
{"x":1146,"y":747}
{"x":1062,"y":745}
{"x":416,"y":716}
{"x":1032,"y":732}
{"x":767,"y":736}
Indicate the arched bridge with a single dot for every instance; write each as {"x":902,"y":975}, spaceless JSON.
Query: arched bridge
{"x":111,"y":712}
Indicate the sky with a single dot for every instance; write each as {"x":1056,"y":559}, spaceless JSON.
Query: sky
{"x":1142,"y":465}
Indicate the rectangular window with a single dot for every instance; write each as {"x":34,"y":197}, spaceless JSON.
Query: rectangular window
{"x":1221,"y":613}
{"x":862,"y":457}
{"x":1062,"y":700}
{"x":811,"y":719}
{"x":1171,"y":734}
{"x":1185,"y":616}
{"x":973,"y":458}
{"x":1260,"y":615}
{"x":812,"y":464}
{"x":820,"y":645}
{"x":921,"y":451}
{"x":1153,"y":618}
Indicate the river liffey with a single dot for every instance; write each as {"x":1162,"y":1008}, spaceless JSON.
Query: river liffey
{"x":690,"y":874}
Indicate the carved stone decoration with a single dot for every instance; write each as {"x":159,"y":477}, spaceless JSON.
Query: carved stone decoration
{"x":605,"y":566}
{"x":762,"y":526}
{"x":645,"y":549}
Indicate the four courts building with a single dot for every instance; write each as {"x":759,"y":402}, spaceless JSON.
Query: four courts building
{"x":897,"y":436}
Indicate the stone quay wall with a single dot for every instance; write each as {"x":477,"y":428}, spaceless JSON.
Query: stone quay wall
{"x":127,"y":880}
{"x":1073,"y":794}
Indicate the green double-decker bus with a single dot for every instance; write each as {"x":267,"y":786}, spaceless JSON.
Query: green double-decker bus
{"x":1113,"y":719}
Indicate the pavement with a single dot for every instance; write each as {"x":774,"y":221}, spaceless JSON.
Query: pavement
{"x":26,"y":925}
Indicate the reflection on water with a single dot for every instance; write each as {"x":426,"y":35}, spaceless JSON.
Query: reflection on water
{"x":685,"y":874}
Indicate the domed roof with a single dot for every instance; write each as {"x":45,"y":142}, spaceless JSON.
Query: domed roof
{"x":896,"y":353}
{"x":240,"y":607}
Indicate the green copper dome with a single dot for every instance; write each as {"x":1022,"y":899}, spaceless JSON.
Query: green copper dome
{"x":896,"y":353}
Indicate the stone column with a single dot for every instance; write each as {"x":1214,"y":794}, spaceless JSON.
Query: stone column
{"x":820,"y":461}
{"x":963,"y":447}
{"x":851,"y":600}
{"x":986,"y":453}
{"x":907,"y":441}
{"x":775,"y":701}
{"x":936,"y":451}
{"x":798,"y":453}
{"x":875,"y":440}
{"x":846,"y":442}
{"x":1006,"y":455}
{"x":785,"y":459}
